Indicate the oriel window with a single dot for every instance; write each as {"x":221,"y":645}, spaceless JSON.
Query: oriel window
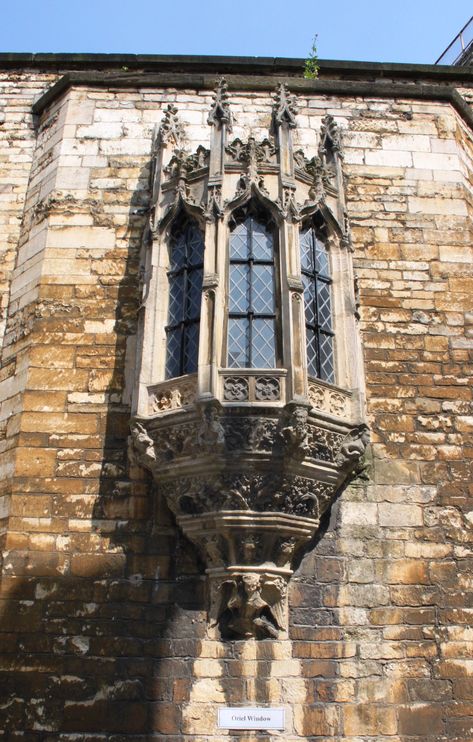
{"x":251,"y":303}
{"x":315,"y":266}
{"x":185,"y":290}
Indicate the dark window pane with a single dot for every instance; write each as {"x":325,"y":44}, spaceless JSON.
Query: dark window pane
{"x":191,"y":349}
{"x":239,"y":299}
{"x":262,"y":246}
{"x":240,"y":242}
{"x":317,"y":305}
{"x":322,"y":261}
{"x":238,"y":343}
{"x":176,"y":299}
{"x":324,"y":305}
{"x":309,"y":299}
{"x":263,"y":349}
{"x":194,"y":294}
{"x":185,"y":290}
{"x":327,"y":371}
{"x":178,"y":253}
{"x":311,"y":351}
{"x":263,"y":289}
{"x":173,"y":360}
{"x":195,"y":246}
{"x":307,"y":252}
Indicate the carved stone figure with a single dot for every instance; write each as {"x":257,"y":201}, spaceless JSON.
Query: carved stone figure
{"x":250,"y":605}
{"x":353,"y":447}
{"x":294,"y":434}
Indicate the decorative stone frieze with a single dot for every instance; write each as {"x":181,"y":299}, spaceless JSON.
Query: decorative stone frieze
{"x":172,"y":395}
{"x":247,"y":386}
{"x":323,"y":396}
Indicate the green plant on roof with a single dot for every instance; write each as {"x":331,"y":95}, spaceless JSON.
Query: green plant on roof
{"x":311,"y":67}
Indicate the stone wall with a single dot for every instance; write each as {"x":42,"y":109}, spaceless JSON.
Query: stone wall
{"x":103,"y":627}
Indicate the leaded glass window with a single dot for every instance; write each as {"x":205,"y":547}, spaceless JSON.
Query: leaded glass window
{"x":185,"y":289}
{"x":316,"y":278}
{"x":251,"y":311}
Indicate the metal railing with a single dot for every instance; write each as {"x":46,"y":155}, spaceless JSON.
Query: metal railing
{"x":460,"y":50}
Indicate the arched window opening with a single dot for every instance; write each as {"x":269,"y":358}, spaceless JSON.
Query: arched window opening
{"x":185,"y":290}
{"x":316,"y":278}
{"x":251,"y":338}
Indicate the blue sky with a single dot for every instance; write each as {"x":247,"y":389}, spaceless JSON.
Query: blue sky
{"x":414,"y":31}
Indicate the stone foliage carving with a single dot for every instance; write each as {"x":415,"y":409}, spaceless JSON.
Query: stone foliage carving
{"x":235,"y":389}
{"x":171,"y":395}
{"x":258,"y":492}
{"x":292,"y":436}
{"x":284,"y":108}
{"x":171,"y":128}
{"x":220,"y":111}
{"x":330,"y":400}
{"x":252,"y":388}
{"x":267,"y":388}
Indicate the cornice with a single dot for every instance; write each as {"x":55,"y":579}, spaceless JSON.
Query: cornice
{"x":380,"y":88}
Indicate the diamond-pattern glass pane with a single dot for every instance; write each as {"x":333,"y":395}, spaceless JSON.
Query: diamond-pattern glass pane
{"x":240,"y":241}
{"x":262,"y":242}
{"x":324,"y":305}
{"x":195,"y":246}
{"x":263,"y":347}
{"x":309,"y":299}
{"x":176,"y":299}
{"x":327,"y":371}
{"x":315,"y":266}
{"x":194,"y":292}
{"x":178,"y":253}
{"x":307,"y":251}
{"x":238,"y":343}
{"x":262,"y":292}
{"x":311,"y":352}
{"x":191,"y":349}
{"x":239,"y":299}
{"x":173,"y":358}
{"x":185,"y":290}
{"x":322,"y":261}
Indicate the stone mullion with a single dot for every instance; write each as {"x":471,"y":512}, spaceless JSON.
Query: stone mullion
{"x":291,"y":287}
{"x":296,"y":330}
{"x":155,"y":284}
{"x":209,"y":324}
{"x":213,"y":298}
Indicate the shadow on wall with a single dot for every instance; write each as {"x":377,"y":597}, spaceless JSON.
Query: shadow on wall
{"x":85,"y":631}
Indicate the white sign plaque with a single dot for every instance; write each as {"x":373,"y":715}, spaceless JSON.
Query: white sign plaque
{"x":250,"y":717}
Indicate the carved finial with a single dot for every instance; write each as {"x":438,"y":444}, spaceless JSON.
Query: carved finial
{"x":284,"y":108}
{"x":171,"y":127}
{"x":220,"y":111}
{"x":330,"y":134}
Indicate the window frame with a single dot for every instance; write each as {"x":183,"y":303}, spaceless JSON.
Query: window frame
{"x":260,"y":215}
{"x":317,"y":277}
{"x":181,"y":226}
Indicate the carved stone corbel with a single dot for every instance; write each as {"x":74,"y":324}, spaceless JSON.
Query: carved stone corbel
{"x":249,"y":491}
